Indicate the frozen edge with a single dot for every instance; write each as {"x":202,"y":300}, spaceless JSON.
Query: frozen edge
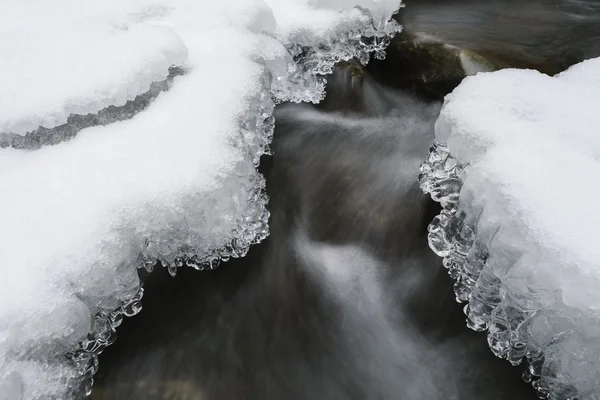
{"x":304,"y":83}
{"x":157,"y":70}
{"x":41,"y":136}
{"x":315,"y":61}
{"x":464,"y":253}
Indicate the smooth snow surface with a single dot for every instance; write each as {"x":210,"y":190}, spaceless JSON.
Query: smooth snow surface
{"x":522,"y":238}
{"x":175,"y":183}
{"x":42,"y":86}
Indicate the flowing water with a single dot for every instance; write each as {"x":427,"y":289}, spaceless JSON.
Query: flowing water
{"x":545,"y":34}
{"x":344,"y":300}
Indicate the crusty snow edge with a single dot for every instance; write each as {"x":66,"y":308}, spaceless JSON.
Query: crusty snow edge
{"x":536,"y":296}
{"x":251,"y":227}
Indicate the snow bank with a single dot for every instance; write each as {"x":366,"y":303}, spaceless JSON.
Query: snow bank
{"x":515,"y":165}
{"x":174,"y":180}
{"x":42,"y":86}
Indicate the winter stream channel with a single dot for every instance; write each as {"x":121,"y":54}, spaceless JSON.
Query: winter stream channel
{"x":318,"y":248}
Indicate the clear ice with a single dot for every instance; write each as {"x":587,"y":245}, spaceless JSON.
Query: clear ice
{"x":130,"y":138}
{"x":514,"y":166}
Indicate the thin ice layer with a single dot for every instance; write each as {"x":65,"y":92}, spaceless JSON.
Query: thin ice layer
{"x":517,"y":156}
{"x":76,"y":122}
{"x":176,"y":183}
{"x":42,"y":86}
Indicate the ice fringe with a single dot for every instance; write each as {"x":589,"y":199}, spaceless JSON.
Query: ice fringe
{"x":41,"y":136}
{"x":514,"y":281}
{"x":69,"y":374}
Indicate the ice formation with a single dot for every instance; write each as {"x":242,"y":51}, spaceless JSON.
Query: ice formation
{"x":516,"y":156}
{"x":130,"y":133}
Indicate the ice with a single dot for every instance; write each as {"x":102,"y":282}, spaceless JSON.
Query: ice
{"x":76,"y":122}
{"x":130,"y":133}
{"x":41,"y":86}
{"x":344,"y":29}
{"x":515,"y":162}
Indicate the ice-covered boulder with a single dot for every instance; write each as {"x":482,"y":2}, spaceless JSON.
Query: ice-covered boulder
{"x":515,"y":165}
{"x":174,"y":180}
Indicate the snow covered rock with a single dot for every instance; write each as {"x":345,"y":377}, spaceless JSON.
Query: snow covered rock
{"x":515,"y":165}
{"x":174,"y":181}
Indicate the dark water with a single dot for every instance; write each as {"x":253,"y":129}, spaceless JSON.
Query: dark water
{"x":544,"y":34}
{"x":344,"y":300}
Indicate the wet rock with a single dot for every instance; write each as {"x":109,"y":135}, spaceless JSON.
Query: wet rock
{"x":345,"y":88}
{"x":427,"y":67}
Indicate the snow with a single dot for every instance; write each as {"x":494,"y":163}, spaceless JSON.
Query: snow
{"x":525,"y":148}
{"x":41,"y":86}
{"x":320,"y":17}
{"x":175,"y":182}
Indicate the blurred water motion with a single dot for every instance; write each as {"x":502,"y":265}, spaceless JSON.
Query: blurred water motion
{"x":343,"y":301}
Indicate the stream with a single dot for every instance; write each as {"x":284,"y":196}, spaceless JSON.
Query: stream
{"x":345,"y":300}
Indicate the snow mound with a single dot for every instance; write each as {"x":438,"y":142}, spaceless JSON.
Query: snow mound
{"x":105,"y":189}
{"x":514,"y":165}
{"x":42,"y":86}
